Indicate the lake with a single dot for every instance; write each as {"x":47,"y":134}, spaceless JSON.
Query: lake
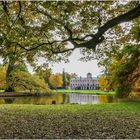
{"x":60,"y":98}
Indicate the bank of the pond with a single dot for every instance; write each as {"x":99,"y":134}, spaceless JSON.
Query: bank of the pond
{"x":98,"y":92}
{"x":21,"y":94}
{"x":115,"y":120}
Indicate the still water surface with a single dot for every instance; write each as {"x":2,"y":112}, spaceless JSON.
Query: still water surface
{"x":59,"y":98}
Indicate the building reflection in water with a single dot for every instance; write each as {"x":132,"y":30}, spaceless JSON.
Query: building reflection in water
{"x":59,"y":99}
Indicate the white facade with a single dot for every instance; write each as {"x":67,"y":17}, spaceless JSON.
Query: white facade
{"x":87,"y":83}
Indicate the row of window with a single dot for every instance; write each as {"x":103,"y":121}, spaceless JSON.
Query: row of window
{"x":83,"y":85}
{"x":84,"y":80}
{"x":76,"y":81}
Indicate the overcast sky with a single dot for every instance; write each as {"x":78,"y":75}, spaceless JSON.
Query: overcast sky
{"x":78,"y":67}
{"x":75,"y":66}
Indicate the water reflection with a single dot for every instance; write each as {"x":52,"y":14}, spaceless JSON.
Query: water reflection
{"x":90,"y":99}
{"x":59,"y":99}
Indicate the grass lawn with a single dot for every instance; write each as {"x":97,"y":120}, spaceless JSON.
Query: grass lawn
{"x":114,"y":120}
{"x":85,"y":91}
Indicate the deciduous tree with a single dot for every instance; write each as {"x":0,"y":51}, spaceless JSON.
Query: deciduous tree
{"x":2,"y":77}
{"x":55,"y":81}
{"x":104,"y":83}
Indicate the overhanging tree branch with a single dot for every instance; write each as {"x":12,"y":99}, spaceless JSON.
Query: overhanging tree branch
{"x":98,"y":37}
{"x":94,"y":40}
{"x":42,"y":44}
{"x":5,"y":6}
{"x":69,"y":31}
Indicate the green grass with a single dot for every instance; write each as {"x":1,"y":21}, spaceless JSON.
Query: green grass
{"x":112,"y":121}
{"x":85,"y":91}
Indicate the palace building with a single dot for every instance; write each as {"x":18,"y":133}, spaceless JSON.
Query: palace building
{"x":87,"y":83}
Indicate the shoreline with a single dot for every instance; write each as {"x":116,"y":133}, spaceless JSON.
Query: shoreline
{"x":24,"y":94}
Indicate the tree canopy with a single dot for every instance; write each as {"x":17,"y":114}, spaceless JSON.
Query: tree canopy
{"x":50,"y":26}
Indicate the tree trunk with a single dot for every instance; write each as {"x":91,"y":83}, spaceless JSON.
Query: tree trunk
{"x":9,"y":77}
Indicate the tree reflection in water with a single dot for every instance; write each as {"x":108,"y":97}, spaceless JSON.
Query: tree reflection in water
{"x":59,"y":99}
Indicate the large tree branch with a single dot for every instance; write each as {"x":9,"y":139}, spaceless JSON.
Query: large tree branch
{"x":20,"y":8}
{"x":62,"y":51}
{"x":5,"y":6}
{"x":95,"y":39}
{"x":69,"y":31}
{"x":130,"y":15}
{"x":19,"y":14}
{"x":98,"y":37}
{"x":54,"y":51}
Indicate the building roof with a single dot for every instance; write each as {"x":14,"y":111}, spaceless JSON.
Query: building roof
{"x":89,"y":73}
{"x":84,"y":78}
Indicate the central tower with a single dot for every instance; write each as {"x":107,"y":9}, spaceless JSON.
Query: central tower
{"x":89,"y":75}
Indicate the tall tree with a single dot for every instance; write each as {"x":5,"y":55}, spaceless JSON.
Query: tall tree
{"x":69,"y":76}
{"x":124,"y":64}
{"x":55,"y":81}
{"x":125,"y":70}
{"x":18,"y":28}
{"x":64,"y":79}
{"x":2,"y":77}
{"x":44,"y":73}
{"x":104,"y":83}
